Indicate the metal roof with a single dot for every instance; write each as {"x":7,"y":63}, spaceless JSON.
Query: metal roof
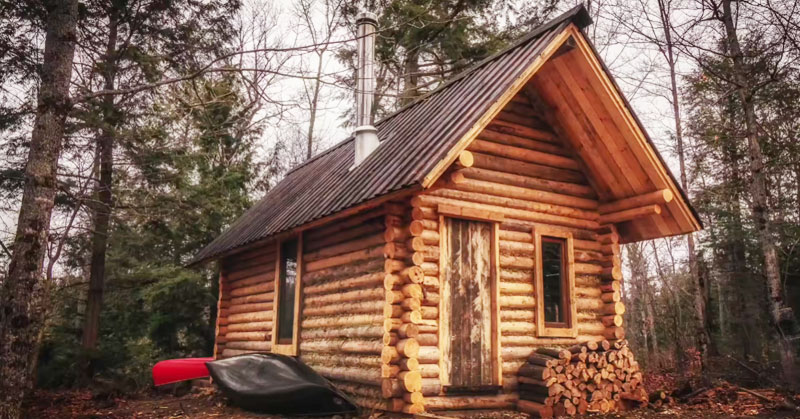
{"x":413,"y":140}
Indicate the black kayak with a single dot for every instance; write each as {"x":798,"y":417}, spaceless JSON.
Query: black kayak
{"x":278,"y":384}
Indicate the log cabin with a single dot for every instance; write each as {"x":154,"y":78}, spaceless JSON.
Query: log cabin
{"x":419,"y":263}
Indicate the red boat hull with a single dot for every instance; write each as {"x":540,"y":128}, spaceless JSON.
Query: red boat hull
{"x":176,"y":370}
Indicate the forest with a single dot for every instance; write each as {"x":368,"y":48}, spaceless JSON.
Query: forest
{"x":135,"y":131}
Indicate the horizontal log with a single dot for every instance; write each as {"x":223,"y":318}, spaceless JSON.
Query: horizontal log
{"x":396,"y":234}
{"x":349,"y":307}
{"x":446,"y":197}
{"x":428,"y":339}
{"x":496,"y":134}
{"x":341,"y":360}
{"x":630,"y":214}
{"x":614,"y":333}
{"x":431,"y":387}
{"x":524,"y":129}
{"x":611,"y":297}
{"x":424,"y":213}
{"x":254,"y":298}
{"x":428,"y":355}
{"x":357,"y":389}
{"x":528,"y":182}
{"x":234,"y":275}
{"x":250,"y":345}
{"x":408,"y":330}
{"x":366,"y":375}
{"x":367,"y":280}
{"x":418,"y":227}
{"x":346,"y":271}
{"x":516,"y":288}
{"x":410,"y":304}
{"x":343,"y":321}
{"x":391,"y":266}
{"x":408,"y":347}
{"x":346,"y":258}
{"x":365,"y":331}
{"x":612,"y":286}
{"x":659,"y":197}
{"x":528,"y":155}
{"x":394,"y":250}
{"x":249,"y":308}
{"x":259,"y":316}
{"x":517,"y":301}
{"x":249,"y":327}
{"x":247,"y":336}
{"x":515,"y":248}
{"x":612,"y":320}
{"x":345,"y":345}
{"x":268,"y":276}
{"x":535,"y":409}
{"x":516,"y":315}
{"x":356,"y":244}
{"x":428,"y":370}
{"x":500,"y":401}
{"x":511,"y":165}
{"x":525,"y":198}
{"x":369,"y":294}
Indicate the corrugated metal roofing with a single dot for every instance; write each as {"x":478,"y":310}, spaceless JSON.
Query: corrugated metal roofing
{"x":413,"y":140}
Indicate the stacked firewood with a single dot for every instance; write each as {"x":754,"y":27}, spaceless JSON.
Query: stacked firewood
{"x":590,"y":377}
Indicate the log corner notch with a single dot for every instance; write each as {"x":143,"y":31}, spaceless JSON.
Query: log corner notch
{"x":401,"y":379}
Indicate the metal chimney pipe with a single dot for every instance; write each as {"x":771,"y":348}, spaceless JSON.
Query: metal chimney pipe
{"x":366,"y":136}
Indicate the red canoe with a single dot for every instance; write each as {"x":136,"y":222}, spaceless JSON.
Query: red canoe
{"x":175,"y":370}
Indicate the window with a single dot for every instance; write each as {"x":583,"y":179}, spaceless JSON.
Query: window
{"x":287,"y":293}
{"x":555,"y":279}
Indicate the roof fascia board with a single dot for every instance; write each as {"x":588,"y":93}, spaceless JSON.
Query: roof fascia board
{"x":633,"y":124}
{"x":496,"y":107}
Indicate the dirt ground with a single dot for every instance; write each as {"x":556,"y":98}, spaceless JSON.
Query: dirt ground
{"x":202,"y":403}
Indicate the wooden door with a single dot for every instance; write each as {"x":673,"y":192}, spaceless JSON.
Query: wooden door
{"x":467,"y":305}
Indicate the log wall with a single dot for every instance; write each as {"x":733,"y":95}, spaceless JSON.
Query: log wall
{"x":244,"y":321}
{"x":517,"y":167}
{"x":344,"y":306}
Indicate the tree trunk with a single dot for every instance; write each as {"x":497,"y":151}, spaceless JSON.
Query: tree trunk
{"x":700,"y":308}
{"x":780,"y":314}
{"x":23,"y":291}
{"x":314,"y":103}
{"x":104,"y":199}
{"x":410,"y":78}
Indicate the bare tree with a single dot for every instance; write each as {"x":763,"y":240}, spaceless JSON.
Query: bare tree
{"x":22,"y":292}
{"x":321,"y":34}
{"x":779,"y":312}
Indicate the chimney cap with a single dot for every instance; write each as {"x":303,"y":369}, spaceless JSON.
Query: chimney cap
{"x":367,"y":17}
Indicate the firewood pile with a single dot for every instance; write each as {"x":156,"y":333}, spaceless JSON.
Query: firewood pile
{"x":590,"y":377}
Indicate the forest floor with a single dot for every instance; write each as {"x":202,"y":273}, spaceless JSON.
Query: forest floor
{"x":721,"y":401}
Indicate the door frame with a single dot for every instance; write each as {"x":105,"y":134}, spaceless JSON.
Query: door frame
{"x":494,"y":221}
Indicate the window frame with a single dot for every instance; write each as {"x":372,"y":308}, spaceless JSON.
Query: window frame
{"x":278,"y":347}
{"x":545,"y":329}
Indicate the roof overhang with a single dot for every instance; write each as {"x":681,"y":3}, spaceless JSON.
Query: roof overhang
{"x":589,"y":111}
